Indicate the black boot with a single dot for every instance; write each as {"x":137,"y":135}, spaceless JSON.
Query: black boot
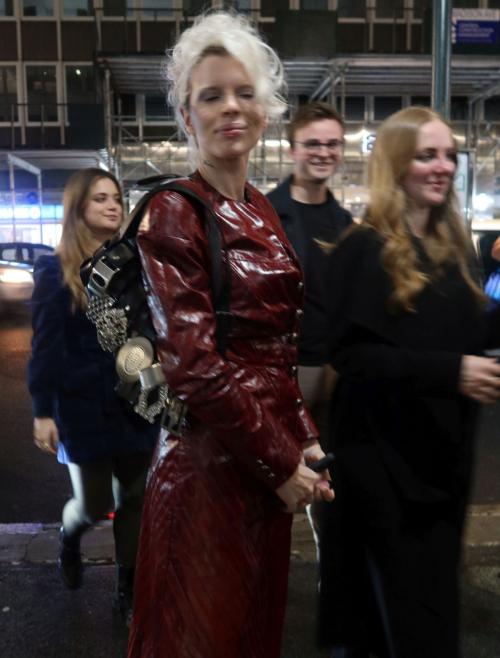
{"x":123,"y":592}
{"x":69,"y":562}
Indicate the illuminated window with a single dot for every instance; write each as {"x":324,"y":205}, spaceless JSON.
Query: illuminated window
{"x":80,"y":84}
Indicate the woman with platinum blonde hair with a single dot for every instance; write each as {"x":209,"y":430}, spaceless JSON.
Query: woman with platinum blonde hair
{"x":408,"y":334}
{"x":215,"y":541}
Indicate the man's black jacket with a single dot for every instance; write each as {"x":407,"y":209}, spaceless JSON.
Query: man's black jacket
{"x":288,"y":213}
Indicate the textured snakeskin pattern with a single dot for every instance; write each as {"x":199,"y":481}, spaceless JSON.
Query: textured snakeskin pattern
{"x":214,"y":552}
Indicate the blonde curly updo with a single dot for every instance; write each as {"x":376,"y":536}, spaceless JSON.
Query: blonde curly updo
{"x":221,"y":33}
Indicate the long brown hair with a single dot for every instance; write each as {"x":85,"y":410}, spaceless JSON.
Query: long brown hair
{"x":446,"y":240}
{"x":77,"y":242}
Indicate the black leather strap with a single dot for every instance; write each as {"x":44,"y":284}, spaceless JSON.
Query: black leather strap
{"x":220,"y":283}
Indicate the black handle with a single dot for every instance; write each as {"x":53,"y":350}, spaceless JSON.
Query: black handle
{"x":323,"y":463}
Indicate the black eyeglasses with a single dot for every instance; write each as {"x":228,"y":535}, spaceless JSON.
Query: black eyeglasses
{"x":313,"y":146}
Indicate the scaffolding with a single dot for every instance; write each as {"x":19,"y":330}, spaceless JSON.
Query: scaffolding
{"x":141,"y":148}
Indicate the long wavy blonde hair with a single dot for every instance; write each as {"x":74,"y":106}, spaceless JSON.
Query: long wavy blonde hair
{"x":77,"y":242}
{"x":446,"y":240}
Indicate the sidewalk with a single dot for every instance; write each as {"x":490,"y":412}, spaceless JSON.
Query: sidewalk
{"x":39,"y":618}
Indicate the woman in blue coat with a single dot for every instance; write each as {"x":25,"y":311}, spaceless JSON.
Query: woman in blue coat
{"x":78,"y":414}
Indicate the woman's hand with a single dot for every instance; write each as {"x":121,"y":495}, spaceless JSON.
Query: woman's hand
{"x":480,"y":379}
{"x":46,"y":434}
{"x":299,"y":488}
{"x":312,"y":453}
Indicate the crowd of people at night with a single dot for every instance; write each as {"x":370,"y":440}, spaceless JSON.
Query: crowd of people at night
{"x":364,"y":339}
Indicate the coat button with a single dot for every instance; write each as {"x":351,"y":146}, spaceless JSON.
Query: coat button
{"x":300,"y":286}
{"x":299,"y":313}
{"x":298,"y":403}
{"x":294,"y":338}
{"x":293,"y":371}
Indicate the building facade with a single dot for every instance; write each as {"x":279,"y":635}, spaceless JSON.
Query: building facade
{"x":80,"y":85}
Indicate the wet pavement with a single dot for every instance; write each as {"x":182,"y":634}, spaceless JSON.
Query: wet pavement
{"x":40,"y":618}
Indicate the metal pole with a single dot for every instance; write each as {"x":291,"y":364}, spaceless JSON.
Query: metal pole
{"x":280,"y":155}
{"x":118,"y":167}
{"x":108,"y":110}
{"x":13,"y":199}
{"x":441,"y":57}
{"x":40,"y":203}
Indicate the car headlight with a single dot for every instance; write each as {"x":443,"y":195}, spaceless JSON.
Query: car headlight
{"x":15,"y":276}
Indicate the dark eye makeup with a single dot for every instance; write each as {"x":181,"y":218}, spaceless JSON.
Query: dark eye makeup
{"x":213,"y":93}
{"x":430,"y":154}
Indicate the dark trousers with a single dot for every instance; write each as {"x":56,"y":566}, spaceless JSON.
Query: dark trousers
{"x":93,"y":483}
{"x":388,"y":567}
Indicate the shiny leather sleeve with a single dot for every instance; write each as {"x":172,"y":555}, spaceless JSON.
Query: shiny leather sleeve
{"x":176,"y":266}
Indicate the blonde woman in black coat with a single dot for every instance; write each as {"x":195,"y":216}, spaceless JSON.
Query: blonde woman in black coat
{"x":407,"y":339}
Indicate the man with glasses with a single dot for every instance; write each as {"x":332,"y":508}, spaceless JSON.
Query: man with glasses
{"x":310,"y":216}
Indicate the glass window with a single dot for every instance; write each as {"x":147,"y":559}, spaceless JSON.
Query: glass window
{"x":128,"y":107}
{"x":389,"y":9}
{"x":270,"y":7}
{"x":384,"y":106}
{"x":38,"y":7}
{"x":40,"y":251}
{"x":492,"y":108}
{"x":9,"y":254}
{"x":118,"y":8}
{"x":494,"y":4}
{"x":80,"y":84}
{"x":6,"y":8}
{"x":239,"y":5}
{"x":352,"y":9}
{"x":314,"y":4}
{"x":78,"y":7}
{"x":355,"y":108}
{"x":459,"y":108}
{"x":466,"y":4}
{"x":194,"y":6}
{"x":419,"y":6}
{"x":42,"y":93}
{"x":423,"y":101}
{"x":159,"y":8}
{"x":156,"y":108}
{"x":8,"y":93}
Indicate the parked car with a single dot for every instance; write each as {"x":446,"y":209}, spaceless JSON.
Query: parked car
{"x":17,"y":260}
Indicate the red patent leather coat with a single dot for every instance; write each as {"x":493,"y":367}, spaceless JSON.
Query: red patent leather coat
{"x":214,"y":551}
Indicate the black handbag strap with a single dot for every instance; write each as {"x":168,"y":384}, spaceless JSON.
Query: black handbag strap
{"x":220,"y":283}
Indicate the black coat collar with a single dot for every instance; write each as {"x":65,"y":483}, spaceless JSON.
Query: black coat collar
{"x":288,"y":212}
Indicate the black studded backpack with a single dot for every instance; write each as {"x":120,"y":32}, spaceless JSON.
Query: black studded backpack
{"x":118,"y":307}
